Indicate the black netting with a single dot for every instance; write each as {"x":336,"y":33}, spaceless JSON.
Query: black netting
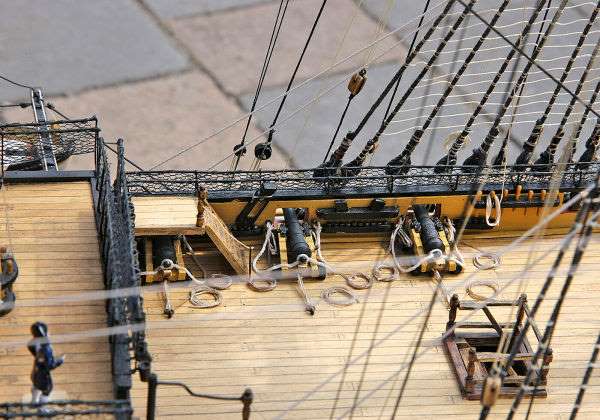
{"x":21,"y":144}
{"x":372,"y":180}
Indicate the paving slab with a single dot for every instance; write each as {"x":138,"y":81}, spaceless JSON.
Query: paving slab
{"x":232,"y":45}
{"x":168,"y":9}
{"x":159,"y":117}
{"x":69,"y":45}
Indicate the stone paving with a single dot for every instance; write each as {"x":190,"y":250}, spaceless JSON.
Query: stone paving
{"x":163,"y":74}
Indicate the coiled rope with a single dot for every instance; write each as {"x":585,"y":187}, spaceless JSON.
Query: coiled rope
{"x":199,"y":288}
{"x":493,"y":260}
{"x":492,"y":284}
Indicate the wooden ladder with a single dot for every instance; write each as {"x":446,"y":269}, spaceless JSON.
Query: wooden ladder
{"x":235,"y":252}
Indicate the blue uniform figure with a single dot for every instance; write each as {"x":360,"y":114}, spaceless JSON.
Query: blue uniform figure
{"x":43,"y":363}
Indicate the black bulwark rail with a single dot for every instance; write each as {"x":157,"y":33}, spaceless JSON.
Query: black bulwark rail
{"x":372,"y":182}
{"x":20,"y":141}
{"x":67,"y":409}
{"x":114,"y":218}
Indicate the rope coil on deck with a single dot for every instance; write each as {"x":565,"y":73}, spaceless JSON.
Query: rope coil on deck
{"x":494,"y":260}
{"x":327,"y":296}
{"x":491,"y":284}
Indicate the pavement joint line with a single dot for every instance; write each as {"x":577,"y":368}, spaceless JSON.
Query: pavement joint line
{"x":126,"y":82}
{"x":195,"y":62}
{"x":436,"y":72}
{"x":217,"y":12}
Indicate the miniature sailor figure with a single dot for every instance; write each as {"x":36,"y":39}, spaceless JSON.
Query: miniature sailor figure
{"x":43,"y":363}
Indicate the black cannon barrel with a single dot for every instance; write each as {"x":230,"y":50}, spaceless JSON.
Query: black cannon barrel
{"x":296,"y":244}
{"x":429,"y":235}
{"x":162,"y":249}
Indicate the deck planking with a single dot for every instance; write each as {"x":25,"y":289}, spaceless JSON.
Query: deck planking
{"x":267,"y":342}
{"x":52,"y":232}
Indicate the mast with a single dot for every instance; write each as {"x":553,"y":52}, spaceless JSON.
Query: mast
{"x":46,"y":153}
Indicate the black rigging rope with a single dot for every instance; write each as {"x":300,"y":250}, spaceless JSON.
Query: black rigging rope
{"x":6,"y":79}
{"x":586,"y":379}
{"x":500,"y":158}
{"x":419,"y":132}
{"x":543,"y":349}
{"x":518,"y":341}
{"x":240,"y":149}
{"x":412,"y":44}
{"x":263,"y":150}
{"x":372,"y":143}
{"x":531,"y":60}
{"x":479,"y":155}
{"x":586,"y":112}
{"x":19,"y":105}
{"x":547,"y":156}
{"x":529,"y":146}
{"x":417,"y":346}
{"x":337,"y":156}
{"x":355,"y":86}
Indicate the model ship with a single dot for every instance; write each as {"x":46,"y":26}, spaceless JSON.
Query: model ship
{"x":465,"y":288}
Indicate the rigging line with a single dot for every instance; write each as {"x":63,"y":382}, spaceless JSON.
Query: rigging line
{"x":350,"y":352}
{"x":504,"y":342}
{"x":416,"y":137}
{"x":529,"y":145}
{"x":547,"y":156}
{"x":369,"y":147}
{"x":287,"y":118}
{"x":381,"y":26}
{"x":53,"y":108}
{"x":442,"y":111}
{"x":544,"y":346}
{"x":532,"y":61}
{"x":272,"y":41}
{"x":300,"y":85}
{"x":503,"y":251}
{"x":410,"y":49}
{"x":6,"y":79}
{"x":337,"y":156}
{"x":369,"y":351}
{"x":18,"y":105}
{"x":417,"y":346}
{"x":585,"y":114}
{"x":478,"y":306}
{"x":589,"y":222}
{"x":479,"y":155}
{"x":500,"y":158}
{"x":581,"y":214}
{"x":586,"y":379}
{"x":263,"y":155}
{"x":338,"y":52}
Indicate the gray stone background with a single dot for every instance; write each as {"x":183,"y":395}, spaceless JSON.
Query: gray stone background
{"x":164,"y":74}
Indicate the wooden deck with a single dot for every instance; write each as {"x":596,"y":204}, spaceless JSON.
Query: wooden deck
{"x":52,"y":233}
{"x":267,"y":342}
